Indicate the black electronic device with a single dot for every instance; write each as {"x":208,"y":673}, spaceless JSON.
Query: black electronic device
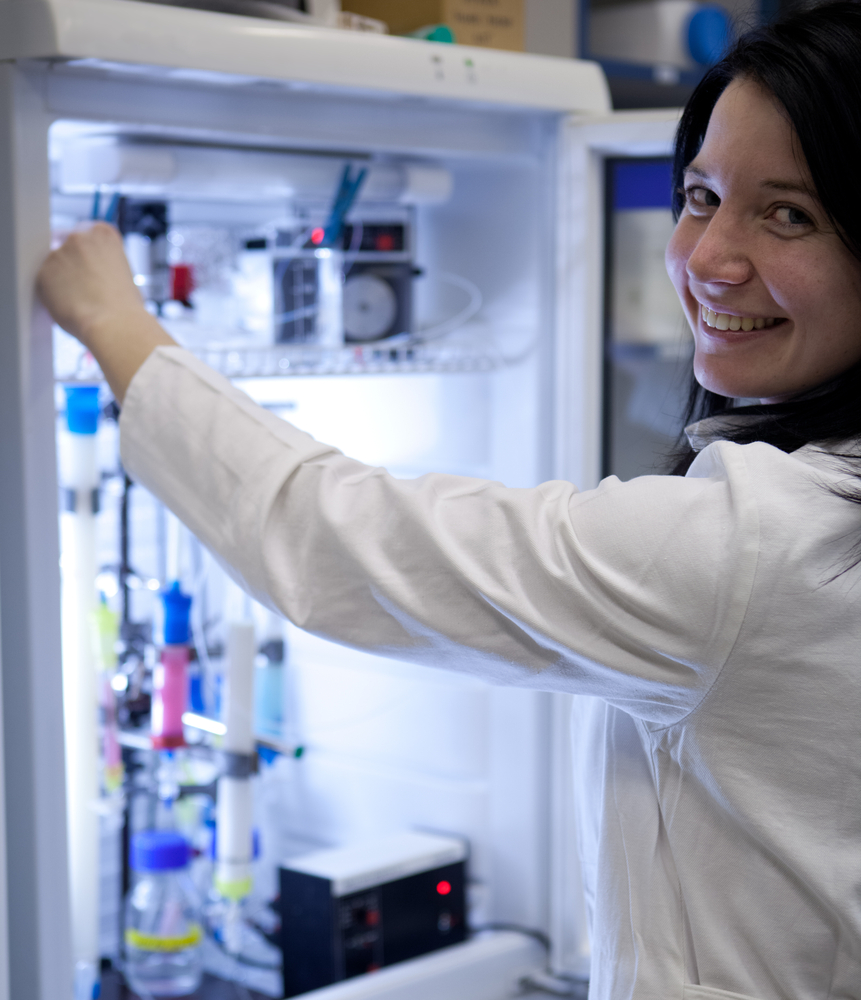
{"x":377,"y":298}
{"x":144,"y":225}
{"x":347,"y":911}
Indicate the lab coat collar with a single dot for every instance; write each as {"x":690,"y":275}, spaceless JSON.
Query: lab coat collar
{"x":705,"y":432}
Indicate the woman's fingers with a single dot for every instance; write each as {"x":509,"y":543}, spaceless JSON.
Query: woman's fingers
{"x":87,"y":279}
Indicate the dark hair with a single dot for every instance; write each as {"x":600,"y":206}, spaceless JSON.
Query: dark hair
{"x":810,"y":60}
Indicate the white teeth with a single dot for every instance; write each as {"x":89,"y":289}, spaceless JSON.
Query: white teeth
{"x":724,"y":321}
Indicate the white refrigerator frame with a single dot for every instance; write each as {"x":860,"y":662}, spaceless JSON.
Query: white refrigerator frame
{"x":35,"y":950}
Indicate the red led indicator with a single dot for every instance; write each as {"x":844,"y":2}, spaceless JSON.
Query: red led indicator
{"x":317,"y":235}
{"x":385,"y":241}
{"x":181,"y":282}
{"x":443,"y":888}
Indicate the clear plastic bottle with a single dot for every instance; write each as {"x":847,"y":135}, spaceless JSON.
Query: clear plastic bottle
{"x":163,"y":930}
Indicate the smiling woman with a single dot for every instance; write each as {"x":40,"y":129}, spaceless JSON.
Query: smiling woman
{"x":772,"y":293}
{"x":766,"y":256}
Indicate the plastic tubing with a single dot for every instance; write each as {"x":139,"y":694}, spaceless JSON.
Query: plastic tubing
{"x":233,"y":813}
{"x":79,"y":477}
{"x":459,"y":319}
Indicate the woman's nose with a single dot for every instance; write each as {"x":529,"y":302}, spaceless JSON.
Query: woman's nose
{"x":721,"y":254}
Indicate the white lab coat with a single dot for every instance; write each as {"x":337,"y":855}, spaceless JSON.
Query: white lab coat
{"x":719,"y":763}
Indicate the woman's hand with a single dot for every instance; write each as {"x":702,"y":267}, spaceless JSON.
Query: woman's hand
{"x":87,"y":281}
{"x":88,"y":288}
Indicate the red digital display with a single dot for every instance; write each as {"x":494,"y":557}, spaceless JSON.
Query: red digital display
{"x":385,"y":241}
{"x":443,"y":888}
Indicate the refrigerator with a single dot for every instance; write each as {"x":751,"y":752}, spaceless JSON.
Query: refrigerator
{"x":489,"y":198}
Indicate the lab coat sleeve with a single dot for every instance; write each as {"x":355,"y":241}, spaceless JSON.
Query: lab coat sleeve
{"x":634,"y":592}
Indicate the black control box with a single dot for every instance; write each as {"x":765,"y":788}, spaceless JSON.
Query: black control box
{"x":352,"y":910}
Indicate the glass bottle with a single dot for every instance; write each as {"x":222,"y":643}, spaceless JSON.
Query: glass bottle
{"x":163,"y":931}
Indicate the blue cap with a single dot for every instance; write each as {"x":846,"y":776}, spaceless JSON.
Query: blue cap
{"x":82,"y":408}
{"x":709,"y":34}
{"x":158,"y":851}
{"x":177,"y":607}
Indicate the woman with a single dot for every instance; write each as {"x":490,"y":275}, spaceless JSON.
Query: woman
{"x":714,"y":617}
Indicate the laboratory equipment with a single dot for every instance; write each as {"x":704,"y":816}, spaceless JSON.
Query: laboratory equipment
{"x":104,"y":625}
{"x":355,"y":909}
{"x":374,"y":295}
{"x":163,"y":927}
{"x":80,"y":479}
{"x":144,"y":228}
{"x":233,"y":858}
{"x":269,"y":685}
{"x":170,"y":678}
{"x":493,"y":164}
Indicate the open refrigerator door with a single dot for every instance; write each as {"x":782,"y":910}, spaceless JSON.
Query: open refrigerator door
{"x":596,"y":282}
{"x":410,"y":275}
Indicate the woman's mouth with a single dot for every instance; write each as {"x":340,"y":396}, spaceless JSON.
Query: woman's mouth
{"x":725,"y":321}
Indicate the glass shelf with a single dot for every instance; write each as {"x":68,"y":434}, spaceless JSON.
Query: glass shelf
{"x":479,"y":353}
{"x":354,"y":359}
{"x":680,"y":350}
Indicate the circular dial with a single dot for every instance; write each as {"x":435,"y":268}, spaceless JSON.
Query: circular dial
{"x":370,"y":307}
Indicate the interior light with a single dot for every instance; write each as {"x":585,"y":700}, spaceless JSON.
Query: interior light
{"x":195,"y":721}
{"x":107,"y":583}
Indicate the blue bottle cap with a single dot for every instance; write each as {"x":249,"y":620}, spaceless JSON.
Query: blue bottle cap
{"x":158,"y":851}
{"x":82,"y":408}
{"x":709,"y":34}
{"x":177,"y":607}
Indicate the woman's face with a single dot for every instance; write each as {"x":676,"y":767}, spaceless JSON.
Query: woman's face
{"x":771,"y":293}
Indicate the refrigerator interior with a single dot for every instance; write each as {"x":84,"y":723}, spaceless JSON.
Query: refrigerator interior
{"x":356,"y":746}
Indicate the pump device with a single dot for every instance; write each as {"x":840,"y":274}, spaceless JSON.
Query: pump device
{"x":350,"y":910}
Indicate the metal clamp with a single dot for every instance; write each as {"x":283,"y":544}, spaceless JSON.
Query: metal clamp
{"x":69,"y":500}
{"x":237,"y":765}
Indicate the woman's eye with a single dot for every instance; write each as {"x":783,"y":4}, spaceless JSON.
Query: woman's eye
{"x":786,"y":215}
{"x":701,"y":198}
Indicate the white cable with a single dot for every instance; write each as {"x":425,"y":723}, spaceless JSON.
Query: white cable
{"x":302,"y":238}
{"x":522,"y":354}
{"x":459,"y":319}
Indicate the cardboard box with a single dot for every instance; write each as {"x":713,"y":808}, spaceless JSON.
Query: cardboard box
{"x":490,"y":24}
